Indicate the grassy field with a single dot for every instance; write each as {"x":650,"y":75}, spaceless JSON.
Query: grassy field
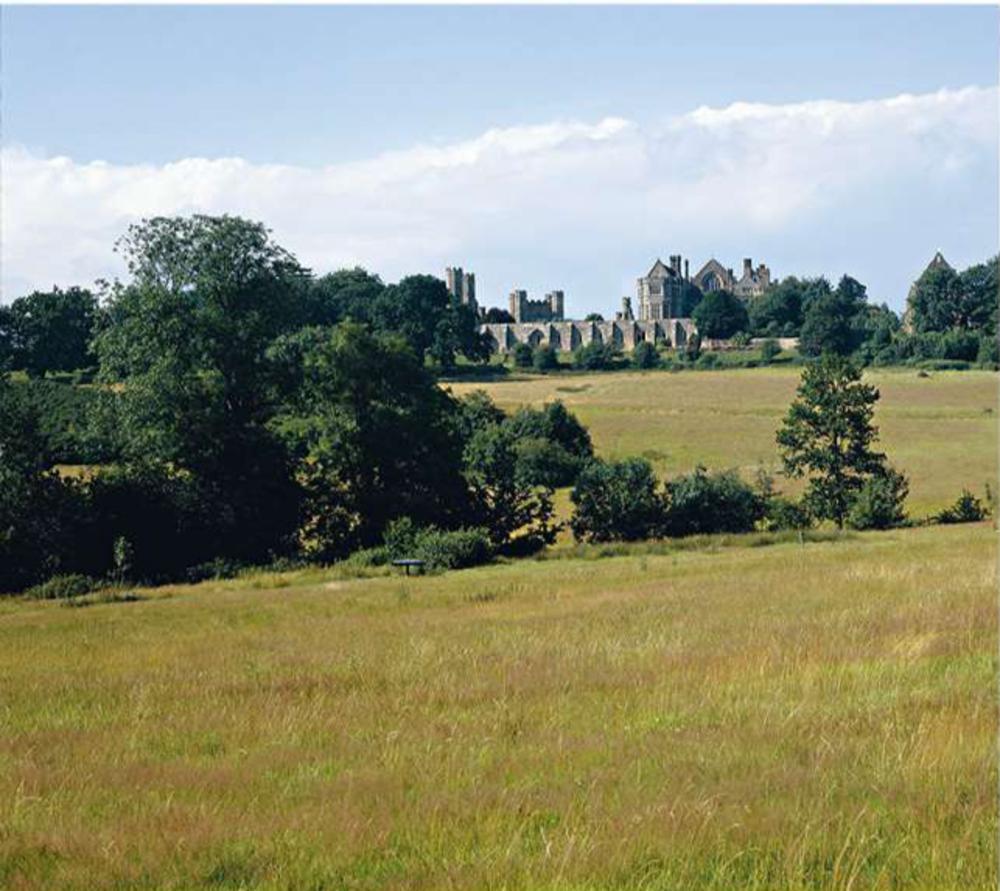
{"x":784,"y":717}
{"x":941,"y":430}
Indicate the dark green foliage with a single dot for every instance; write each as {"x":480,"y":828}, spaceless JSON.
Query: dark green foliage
{"x":645,"y":355}
{"x":66,"y":418}
{"x":62,"y":587}
{"x":595,"y":356}
{"x":828,"y":436}
{"x":344,"y":294}
{"x":551,"y":444}
{"x":692,"y":349}
{"x":496,"y":316}
{"x":966,"y":509}
{"x":40,"y":513}
{"x":523,"y":355}
{"x":49,"y":331}
{"x":880,"y":501}
{"x":720,"y":315}
{"x":835,"y":322}
{"x":707,"y":360}
{"x":545,"y":358}
{"x":593,"y":317}
{"x":768,"y":350}
{"x":783,"y":513}
{"x":439,"y":549}
{"x":617,"y":501}
{"x":702,"y":503}
{"x":516,"y":513}
{"x":373,"y":436}
{"x":942,"y":299}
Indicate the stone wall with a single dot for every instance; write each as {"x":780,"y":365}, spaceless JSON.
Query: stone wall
{"x":567,"y":336}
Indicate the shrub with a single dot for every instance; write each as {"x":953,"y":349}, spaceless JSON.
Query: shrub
{"x":595,"y":356}
{"x":61,"y":587}
{"x":439,"y":549}
{"x":741,"y":340}
{"x":966,"y":509}
{"x":943,"y":364}
{"x":768,"y":350}
{"x":879,"y":503}
{"x":782,"y":513}
{"x":545,"y":358}
{"x":616,"y":501}
{"x":702,"y":503}
{"x":645,"y":355}
{"x":523,"y":355}
{"x":692,"y":349}
{"x":543,"y":462}
{"x":707,"y":360}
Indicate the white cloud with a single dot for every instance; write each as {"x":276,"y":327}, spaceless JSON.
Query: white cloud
{"x":566,"y":204}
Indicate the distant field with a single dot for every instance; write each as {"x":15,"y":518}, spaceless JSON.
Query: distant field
{"x":817,"y":716}
{"x":941,"y":430}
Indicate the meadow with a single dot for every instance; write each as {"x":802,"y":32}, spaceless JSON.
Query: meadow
{"x":731,"y":712}
{"x":941,"y":429}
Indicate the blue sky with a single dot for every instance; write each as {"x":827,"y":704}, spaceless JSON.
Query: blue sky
{"x":542,"y":147}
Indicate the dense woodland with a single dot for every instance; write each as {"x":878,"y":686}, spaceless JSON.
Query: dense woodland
{"x":229,"y":408}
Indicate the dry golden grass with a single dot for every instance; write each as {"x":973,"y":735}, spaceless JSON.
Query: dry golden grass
{"x":783,"y":717}
{"x":941,"y":430}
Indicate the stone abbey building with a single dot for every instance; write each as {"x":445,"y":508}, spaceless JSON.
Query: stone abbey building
{"x":659,"y":316}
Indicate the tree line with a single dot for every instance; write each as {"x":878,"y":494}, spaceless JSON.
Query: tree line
{"x":244,"y":412}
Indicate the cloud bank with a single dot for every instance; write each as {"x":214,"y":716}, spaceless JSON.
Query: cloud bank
{"x":870,"y":187}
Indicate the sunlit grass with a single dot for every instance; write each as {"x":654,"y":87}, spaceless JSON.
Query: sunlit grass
{"x":719,"y":715}
{"x":940,"y":429}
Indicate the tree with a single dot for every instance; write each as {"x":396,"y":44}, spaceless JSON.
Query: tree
{"x":344,"y":294}
{"x":835,"y":322}
{"x":644,"y":355}
{"x":496,"y":316}
{"x":37,"y":508}
{"x":768,"y":350}
{"x":828,"y":436}
{"x":373,"y":436}
{"x":700,"y":503}
{"x":942,"y":298}
{"x":593,"y":317}
{"x":51,"y":330}
{"x":720,"y":315}
{"x":595,"y":356}
{"x":617,"y":501}
{"x":188,"y":338}
{"x":523,"y":355}
{"x":880,"y":501}
{"x":545,"y":358}
{"x":516,"y":513}
{"x":552,"y":444}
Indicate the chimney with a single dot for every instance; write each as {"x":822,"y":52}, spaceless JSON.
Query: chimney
{"x":686,"y":273}
{"x":747,"y":267}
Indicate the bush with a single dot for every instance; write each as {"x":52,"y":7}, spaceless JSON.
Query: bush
{"x":214,"y":570}
{"x":523,"y":355}
{"x":645,"y":355}
{"x":703,"y":503}
{"x":879,"y":503}
{"x":616,"y":501}
{"x":741,"y":340}
{"x":966,"y":509}
{"x":782,"y":513}
{"x":439,"y":549}
{"x":707,"y":360}
{"x":768,"y":350}
{"x":545,"y":358}
{"x":542,"y":462}
{"x":595,"y":356}
{"x":61,"y":587}
{"x":943,"y":364}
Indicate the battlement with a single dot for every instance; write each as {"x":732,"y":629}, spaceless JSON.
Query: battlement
{"x":551,"y":309}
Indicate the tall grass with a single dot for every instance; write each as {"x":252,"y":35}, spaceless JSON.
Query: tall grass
{"x":797,"y":716}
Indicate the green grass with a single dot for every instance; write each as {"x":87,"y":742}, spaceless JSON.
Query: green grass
{"x":713,"y":716}
{"x":941,"y":430}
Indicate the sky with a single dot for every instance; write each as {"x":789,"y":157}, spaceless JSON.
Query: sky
{"x":540,"y":147}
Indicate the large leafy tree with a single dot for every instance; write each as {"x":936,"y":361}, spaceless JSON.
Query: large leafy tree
{"x":835,"y":322}
{"x":828,"y":436}
{"x":779,"y":310}
{"x":183,"y":352}
{"x":374,"y":437}
{"x":942,"y":298}
{"x":720,"y":315}
{"x":617,"y":501}
{"x":36,"y":506}
{"x":344,"y":294}
{"x":51,"y":330}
